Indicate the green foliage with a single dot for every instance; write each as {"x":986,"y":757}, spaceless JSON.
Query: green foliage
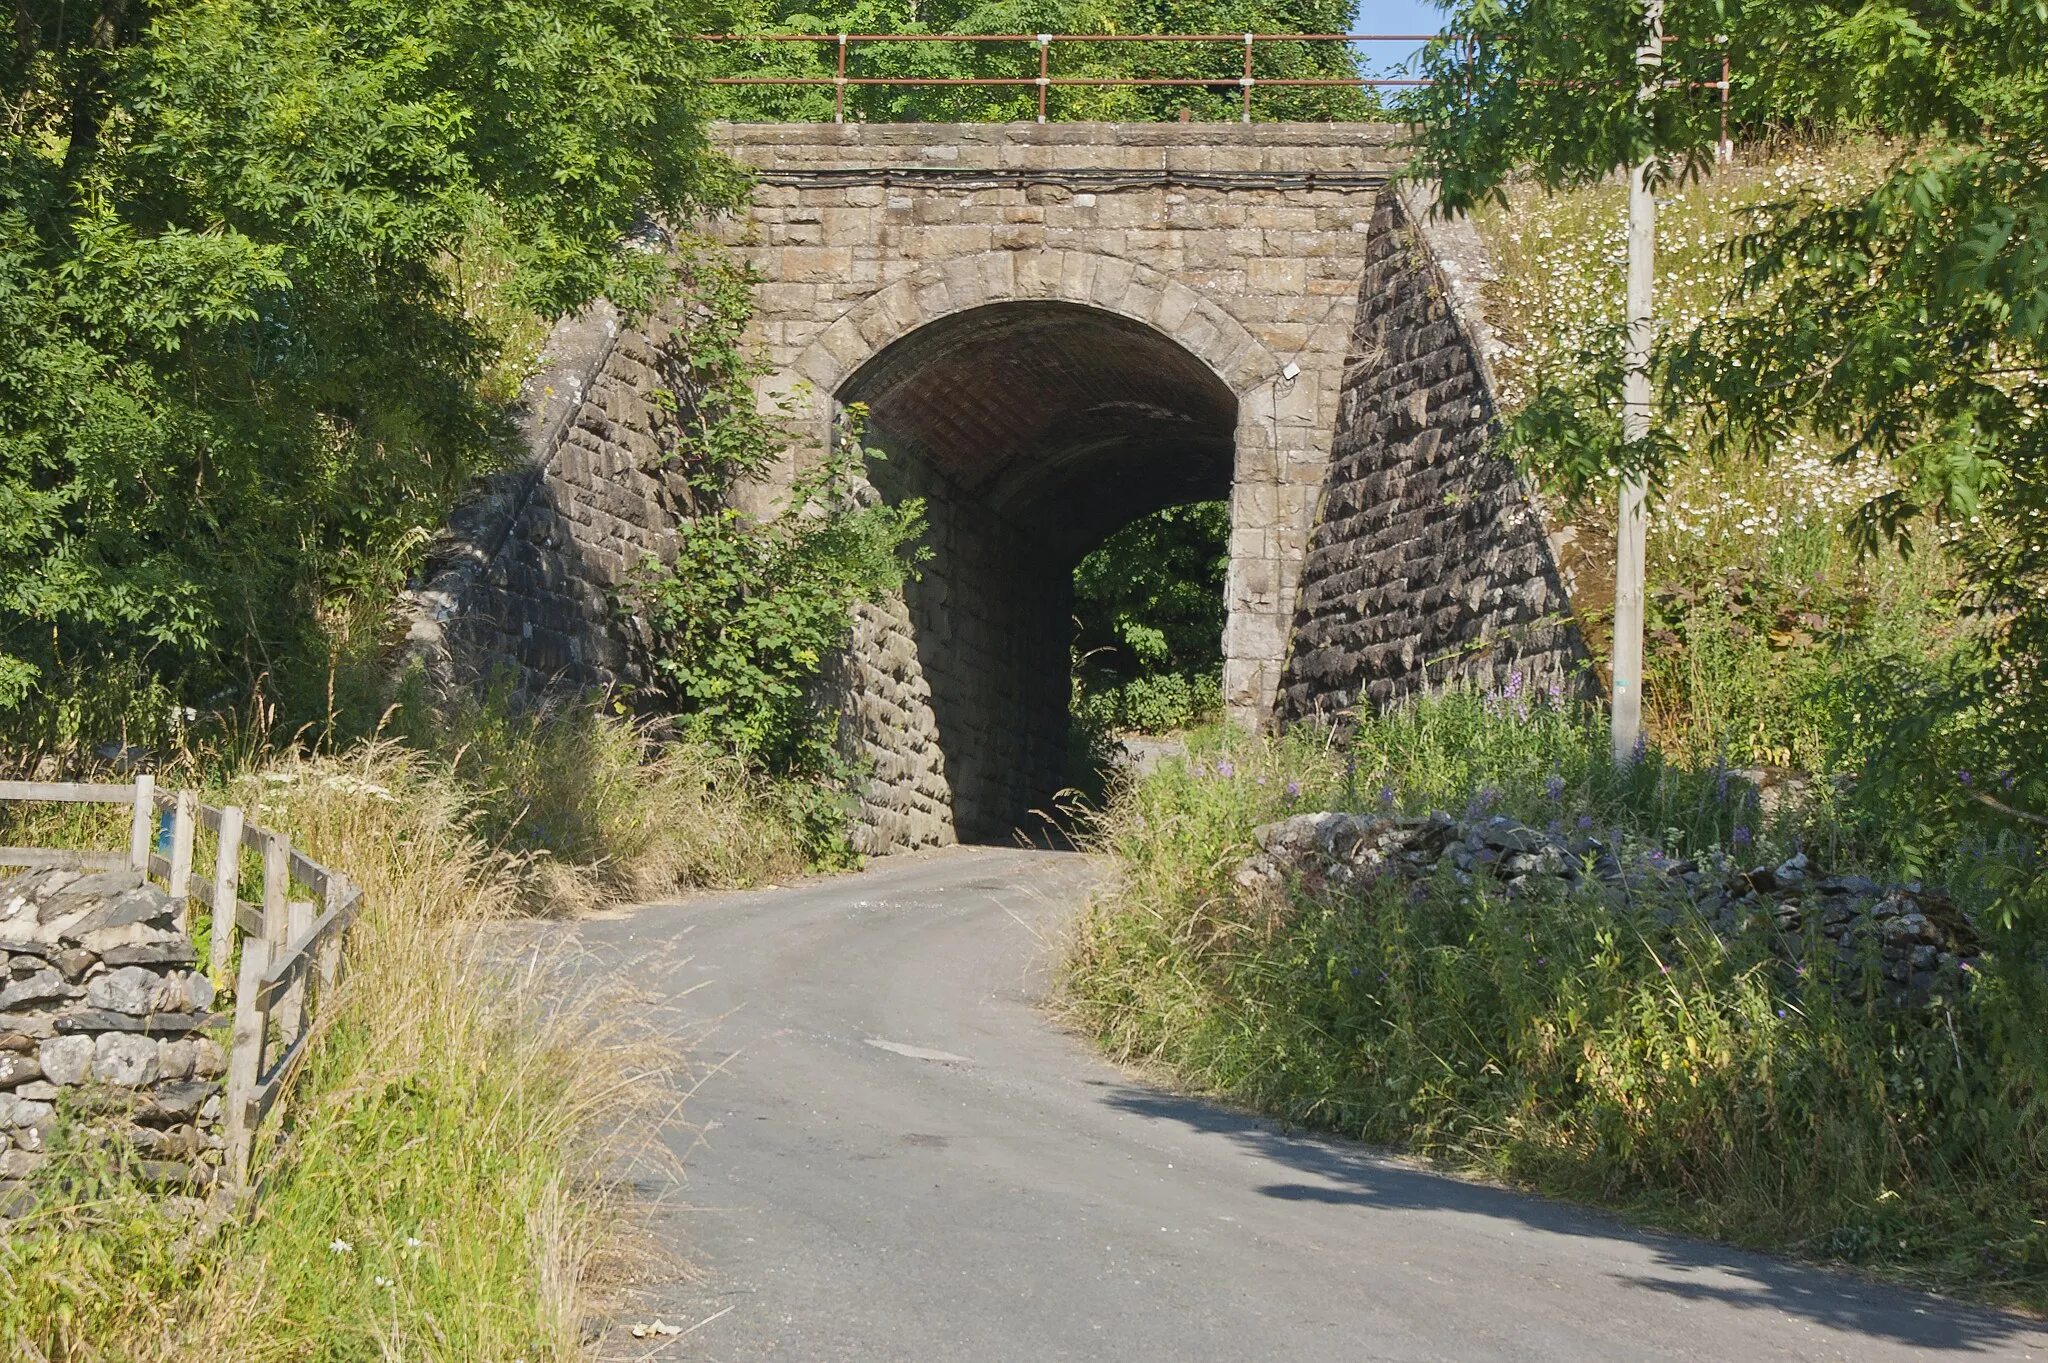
{"x":1899,"y":326}
{"x":1148,"y":616}
{"x":1581,"y":1047}
{"x":1221,"y":62}
{"x":748,"y":612}
{"x":242,"y":379}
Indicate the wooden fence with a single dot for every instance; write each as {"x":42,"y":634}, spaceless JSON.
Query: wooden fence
{"x":286,"y":942}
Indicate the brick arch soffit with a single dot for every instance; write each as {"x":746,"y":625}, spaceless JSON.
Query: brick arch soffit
{"x":1195,"y":323}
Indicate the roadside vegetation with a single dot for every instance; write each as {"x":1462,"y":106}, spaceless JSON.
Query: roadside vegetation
{"x":271,"y":278}
{"x":434,"y":1187}
{"x":1844,"y":661}
{"x":1579,"y":1046}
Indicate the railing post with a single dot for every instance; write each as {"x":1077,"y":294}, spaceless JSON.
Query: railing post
{"x":839,"y":85}
{"x":328,"y":962}
{"x":142,"y":826}
{"x":1044,"y":71}
{"x":183,"y":817}
{"x":227,"y":878}
{"x":1246,"y":116}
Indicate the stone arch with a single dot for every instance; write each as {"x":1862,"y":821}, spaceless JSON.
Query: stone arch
{"x":1090,"y":279}
{"x":1032,"y":428}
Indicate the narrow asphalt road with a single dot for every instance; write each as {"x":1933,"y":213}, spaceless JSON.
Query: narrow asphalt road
{"x":902,"y":1158}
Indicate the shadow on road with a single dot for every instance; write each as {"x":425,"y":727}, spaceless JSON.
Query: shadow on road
{"x":1349,"y":1175}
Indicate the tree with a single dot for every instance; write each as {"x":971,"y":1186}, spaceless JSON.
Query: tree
{"x":1908,"y":325}
{"x":240,"y":381}
{"x":1222,"y":62}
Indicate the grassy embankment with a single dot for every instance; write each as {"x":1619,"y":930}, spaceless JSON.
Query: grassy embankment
{"x":1576,"y":1046}
{"x":435,"y":1187}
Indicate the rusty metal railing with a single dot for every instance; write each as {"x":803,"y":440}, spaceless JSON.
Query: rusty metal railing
{"x":1045,"y":81}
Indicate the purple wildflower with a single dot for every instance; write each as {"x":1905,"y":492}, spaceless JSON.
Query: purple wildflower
{"x":1294,"y":790}
{"x":1554,"y":787}
{"x":1964,"y":777}
{"x":1225,"y":770}
{"x":1585,"y":822}
{"x":1386,"y":797}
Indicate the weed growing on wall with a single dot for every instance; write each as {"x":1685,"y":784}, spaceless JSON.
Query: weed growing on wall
{"x":749,"y":611}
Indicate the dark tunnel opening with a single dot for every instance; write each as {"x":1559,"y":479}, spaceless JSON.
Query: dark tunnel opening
{"x":1033,"y":431}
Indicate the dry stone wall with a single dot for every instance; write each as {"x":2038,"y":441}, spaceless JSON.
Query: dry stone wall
{"x":1430,"y":563}
{"x":104,"y":1012}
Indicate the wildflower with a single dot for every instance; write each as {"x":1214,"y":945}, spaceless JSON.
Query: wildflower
{"x":1663,"y":969}
{"x":340,"y":1247}
{"x":1740,"y":835}
{"x":1225,"y":771}
{"x":1964,"y":777}
{"x":1294,"y":790}
{"x":1554,"y":787}
{"x":1585,"y":822}
{"x":1543,"y":960}
{"x":1386,"y":797}
{"x":1781,"y":1012}
{"x":385,"y":1283}
{"x":413,"y":1242}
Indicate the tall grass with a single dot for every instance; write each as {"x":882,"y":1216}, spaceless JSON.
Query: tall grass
{"x":432,"y":1188}
{"x":1595,"y":1049}
{"x":606,"y":813}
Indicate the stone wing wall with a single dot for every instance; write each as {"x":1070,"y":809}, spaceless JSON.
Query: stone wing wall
{"x":1430,"y":565}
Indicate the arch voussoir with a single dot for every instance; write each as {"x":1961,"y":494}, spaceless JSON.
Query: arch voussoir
{"x":1092,"y":279}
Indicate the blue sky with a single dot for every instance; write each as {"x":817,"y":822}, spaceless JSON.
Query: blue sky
{"x":1395,"y":16}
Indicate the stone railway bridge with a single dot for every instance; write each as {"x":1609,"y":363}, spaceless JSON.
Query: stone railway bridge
{"x":1057,"y":328}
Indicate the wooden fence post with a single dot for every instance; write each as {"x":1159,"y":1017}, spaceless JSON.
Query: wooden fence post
{"x":277,"y":879}
{"x":329,"y":959}
{"x":183,"y":818}
{"x":227,"y":879}
{"x":142,"y":827}
{"x":245,"y":1057}
{"x":291,"y":1009}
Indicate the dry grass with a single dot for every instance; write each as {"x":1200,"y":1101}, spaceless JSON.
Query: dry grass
{"x":434,"y":1187}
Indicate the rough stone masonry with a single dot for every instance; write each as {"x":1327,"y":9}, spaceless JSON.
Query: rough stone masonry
{"x":1053,"y":330}
{"x":103,"y":1008}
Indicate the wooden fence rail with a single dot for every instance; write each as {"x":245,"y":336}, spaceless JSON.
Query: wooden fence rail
{"x":286,"y":943}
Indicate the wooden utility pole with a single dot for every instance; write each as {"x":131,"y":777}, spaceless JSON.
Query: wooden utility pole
{"x":1630,"y":534}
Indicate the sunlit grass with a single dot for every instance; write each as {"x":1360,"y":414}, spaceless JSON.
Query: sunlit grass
{"x":1576,"y":1044}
